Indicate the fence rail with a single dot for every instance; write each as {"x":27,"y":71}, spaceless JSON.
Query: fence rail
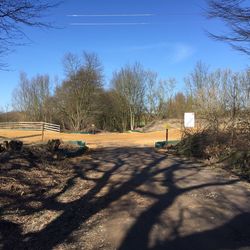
{"x":34,"y":126}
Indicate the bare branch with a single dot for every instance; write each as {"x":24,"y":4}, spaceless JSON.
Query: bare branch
{"x":236,"y":15}
{"x":16,"y":13}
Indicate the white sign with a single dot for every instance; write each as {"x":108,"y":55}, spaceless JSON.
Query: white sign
{"x":189,"y":120}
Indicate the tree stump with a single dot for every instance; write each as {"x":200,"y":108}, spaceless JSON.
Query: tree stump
{"x":4,"y":146}
{"x":53,"y":145}
{"x":15,"y":145}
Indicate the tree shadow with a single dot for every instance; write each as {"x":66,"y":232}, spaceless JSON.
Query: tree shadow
{"x":138,"y":166}
{"x":234,"y":234}
{"x":10,"y":235}
{"x":221,"y":237}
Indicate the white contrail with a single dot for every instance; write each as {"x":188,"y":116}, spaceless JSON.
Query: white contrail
{"x":106,"y":24}
{"x":111,"y":15}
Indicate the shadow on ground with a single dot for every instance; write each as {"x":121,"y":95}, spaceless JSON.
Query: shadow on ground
{"x":170,"y":215}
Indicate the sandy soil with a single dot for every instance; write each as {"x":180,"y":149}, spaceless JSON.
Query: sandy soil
{"x":120,"y":198}
{"x":97,"y":140}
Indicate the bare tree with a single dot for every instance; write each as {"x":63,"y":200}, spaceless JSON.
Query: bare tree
{"x":158,"y":93}
{"x":114,"y":113}
{"x":153,"y":94}
{"x":129,"y":82}
{"x":236,"y":15}
{"x":220,"y":97}
{"x":76,"y":96}
{"x":71,"y":64}
{"x":178,"y":105}
{"x":14,"y":14}
{"x":165,"y":92}
{"x":31,"y":96}
{"x":205,"y":88}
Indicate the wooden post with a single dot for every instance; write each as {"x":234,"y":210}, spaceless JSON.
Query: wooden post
{"x":42,"y":131}
{"x":167,"y":135}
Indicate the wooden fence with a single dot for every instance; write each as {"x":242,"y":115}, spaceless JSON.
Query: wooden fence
{"x":31,"y":126}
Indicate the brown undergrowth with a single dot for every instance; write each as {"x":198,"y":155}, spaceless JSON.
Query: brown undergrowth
{"x":224,"y":148}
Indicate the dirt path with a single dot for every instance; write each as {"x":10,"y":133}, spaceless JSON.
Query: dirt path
{"x":131,"y":198}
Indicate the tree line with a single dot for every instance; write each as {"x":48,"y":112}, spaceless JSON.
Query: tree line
{"x":136,"y":96}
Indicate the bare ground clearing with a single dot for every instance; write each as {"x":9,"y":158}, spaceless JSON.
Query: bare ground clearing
{"x":120,"y":198}
{"x":97,"y":140}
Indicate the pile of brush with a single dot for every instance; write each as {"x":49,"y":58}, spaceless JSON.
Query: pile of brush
{"x":218,"y":147}
{"x":13,"y":145}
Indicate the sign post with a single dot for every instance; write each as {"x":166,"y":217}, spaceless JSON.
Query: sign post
{"x":167,"y":135}
{"x":167,"y":128}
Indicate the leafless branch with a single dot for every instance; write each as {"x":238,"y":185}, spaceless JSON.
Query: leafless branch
{"x":236,"y":15}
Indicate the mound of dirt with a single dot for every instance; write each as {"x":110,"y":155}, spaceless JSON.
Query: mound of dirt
{"x":159,"y":125}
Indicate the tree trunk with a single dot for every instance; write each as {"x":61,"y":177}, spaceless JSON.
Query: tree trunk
{"x":131,"y":119}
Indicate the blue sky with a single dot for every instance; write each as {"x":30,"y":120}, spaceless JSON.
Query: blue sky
{"x":167,"y":36}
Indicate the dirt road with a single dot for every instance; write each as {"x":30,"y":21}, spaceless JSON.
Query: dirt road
{"x":125,"y":198}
